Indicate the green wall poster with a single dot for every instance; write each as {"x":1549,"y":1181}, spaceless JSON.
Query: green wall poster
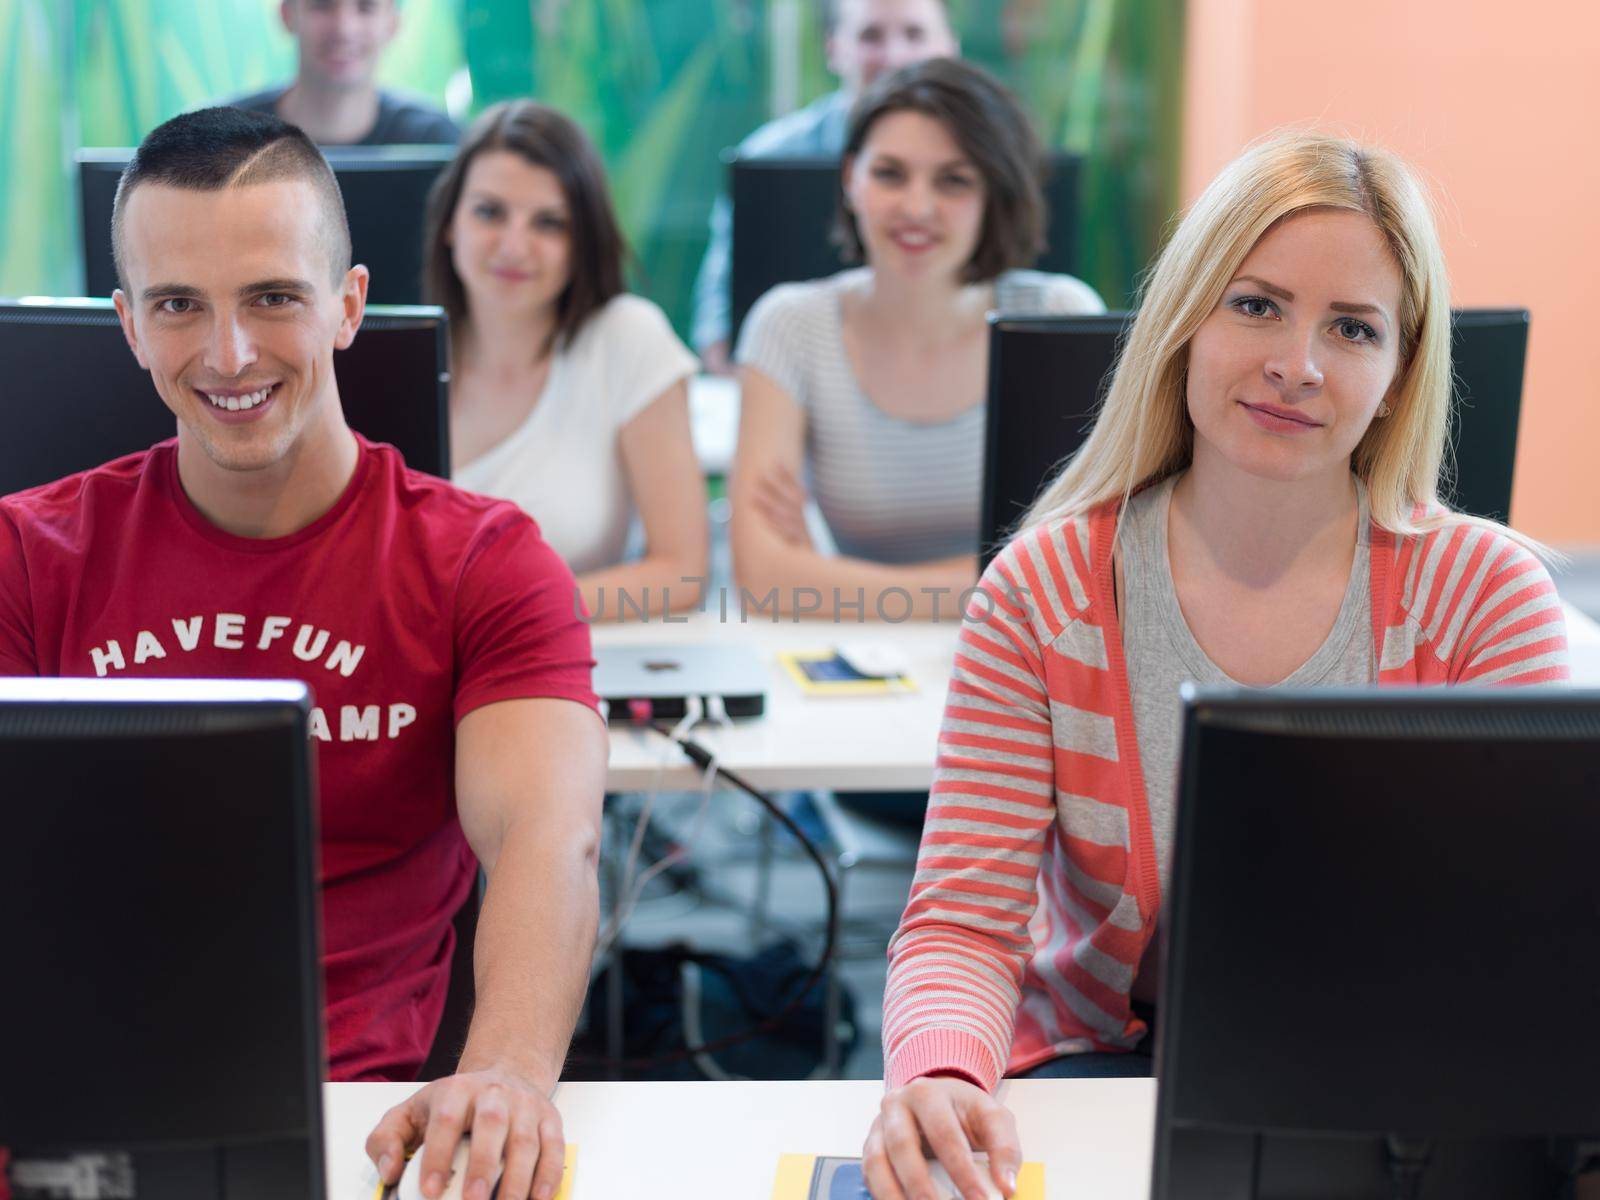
{"x":661,"y":85}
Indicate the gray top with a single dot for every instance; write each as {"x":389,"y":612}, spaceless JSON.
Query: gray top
{"x":817,"y":130}
{"x":1162,"y":653}
{"x":402,"y":120}
{"x":891,"y":490}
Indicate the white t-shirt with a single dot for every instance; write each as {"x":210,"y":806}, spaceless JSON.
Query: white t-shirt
{"x":563,"y":465}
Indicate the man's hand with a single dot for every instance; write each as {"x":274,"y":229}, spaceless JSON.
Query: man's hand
{"x":505,"y":1113}
{"x":950,"y":1118}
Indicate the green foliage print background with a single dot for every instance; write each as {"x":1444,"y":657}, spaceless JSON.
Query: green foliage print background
{"x":661,"y":85}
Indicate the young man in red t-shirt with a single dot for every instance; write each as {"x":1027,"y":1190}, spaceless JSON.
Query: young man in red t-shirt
{"x":454,"y":722}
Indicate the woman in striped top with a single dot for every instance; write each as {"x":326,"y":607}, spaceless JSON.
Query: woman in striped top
{"x":869,"y":384}
{"x":1257,"y":503}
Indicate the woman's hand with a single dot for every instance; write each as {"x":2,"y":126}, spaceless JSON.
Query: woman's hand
{"x":949,"y":1117}
{"x":781,"y":501}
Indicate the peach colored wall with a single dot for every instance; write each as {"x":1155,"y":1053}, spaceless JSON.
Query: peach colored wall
{"x":1499,"y":105}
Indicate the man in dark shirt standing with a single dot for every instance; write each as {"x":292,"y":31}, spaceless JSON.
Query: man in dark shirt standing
{"x":334,"y":96}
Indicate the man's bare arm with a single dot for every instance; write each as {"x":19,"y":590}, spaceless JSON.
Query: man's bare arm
{"x":530,"y":775}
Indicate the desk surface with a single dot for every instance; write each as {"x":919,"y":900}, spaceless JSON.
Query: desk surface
{"x":694,"y":1141}
{"x":885,"y":743}
{"x":1583,"y":639}
{"x":844,"y":743}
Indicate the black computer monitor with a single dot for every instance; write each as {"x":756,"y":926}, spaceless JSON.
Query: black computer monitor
{"x":1048,"y":375}
{"x":1380,"y":945}
{"x":385,"y":194}
{"x":1488,"y":350}
{"x":161,"y":1004}
{"x":72,"y":396}
{"x":783,"y":210}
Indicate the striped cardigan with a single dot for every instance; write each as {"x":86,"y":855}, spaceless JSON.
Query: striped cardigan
{"x":1036,"y":890}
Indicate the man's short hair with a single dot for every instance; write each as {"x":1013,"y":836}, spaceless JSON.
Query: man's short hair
{"x":215,"y":148}
{"x":830,"y":12}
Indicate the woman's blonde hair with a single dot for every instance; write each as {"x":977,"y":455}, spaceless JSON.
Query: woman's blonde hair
{"x":1143,"y":432}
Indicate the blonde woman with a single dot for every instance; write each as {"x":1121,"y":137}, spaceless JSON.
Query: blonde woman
{"x":1258,"y":503}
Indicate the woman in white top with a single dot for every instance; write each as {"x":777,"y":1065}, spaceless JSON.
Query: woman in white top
{"x":865,"y":390}
{"x":568,"y":396}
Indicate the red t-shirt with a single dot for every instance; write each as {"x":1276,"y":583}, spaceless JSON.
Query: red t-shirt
{"x":406,"y":606}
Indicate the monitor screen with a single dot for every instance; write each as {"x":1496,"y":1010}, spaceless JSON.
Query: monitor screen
{"x":1379,"y":949}
{"x":385,"y":192}
{"x":1048,"y":375}
{"x":783,"y":210}
{"x":73,"y":396}
{"x":1489,"y":349}
{"x":159,"y":932}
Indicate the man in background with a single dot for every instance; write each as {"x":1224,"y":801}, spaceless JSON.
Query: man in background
{"x":866,"y":39}
{"x":335,"y":97}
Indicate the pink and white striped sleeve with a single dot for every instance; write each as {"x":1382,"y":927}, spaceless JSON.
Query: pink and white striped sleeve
{"x":957,"y":959}
{"x":1514,"y":631}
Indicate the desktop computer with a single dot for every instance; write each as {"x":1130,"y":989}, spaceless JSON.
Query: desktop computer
{"x":1379,"y":967}
{"x":385,"y":191}
{"x":1048,"y":376}
{"x":783,"y":211}
{"x":161,"y":1015}
{"x":73,"y":396}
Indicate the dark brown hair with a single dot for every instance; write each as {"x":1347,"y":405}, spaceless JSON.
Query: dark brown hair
{"x":985,"y":120}
{"x":545,"y":138}
{"x":215,"y":148}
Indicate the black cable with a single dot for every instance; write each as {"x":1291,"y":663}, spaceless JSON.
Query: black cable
{"x":706,"y":761}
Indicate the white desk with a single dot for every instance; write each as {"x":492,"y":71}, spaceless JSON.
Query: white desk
{"x":879,"y":743}
{"x":721,"y":1141}
{"x":844,"y":743}
{"x":1583,"y":640}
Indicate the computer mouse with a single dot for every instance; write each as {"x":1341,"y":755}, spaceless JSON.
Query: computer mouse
{"x":410,"y":1186}
{"x":946,"y":1188}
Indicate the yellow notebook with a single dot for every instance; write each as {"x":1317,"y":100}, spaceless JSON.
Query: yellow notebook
{"x":827,"y":673}
{"x":817,"y":1177}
